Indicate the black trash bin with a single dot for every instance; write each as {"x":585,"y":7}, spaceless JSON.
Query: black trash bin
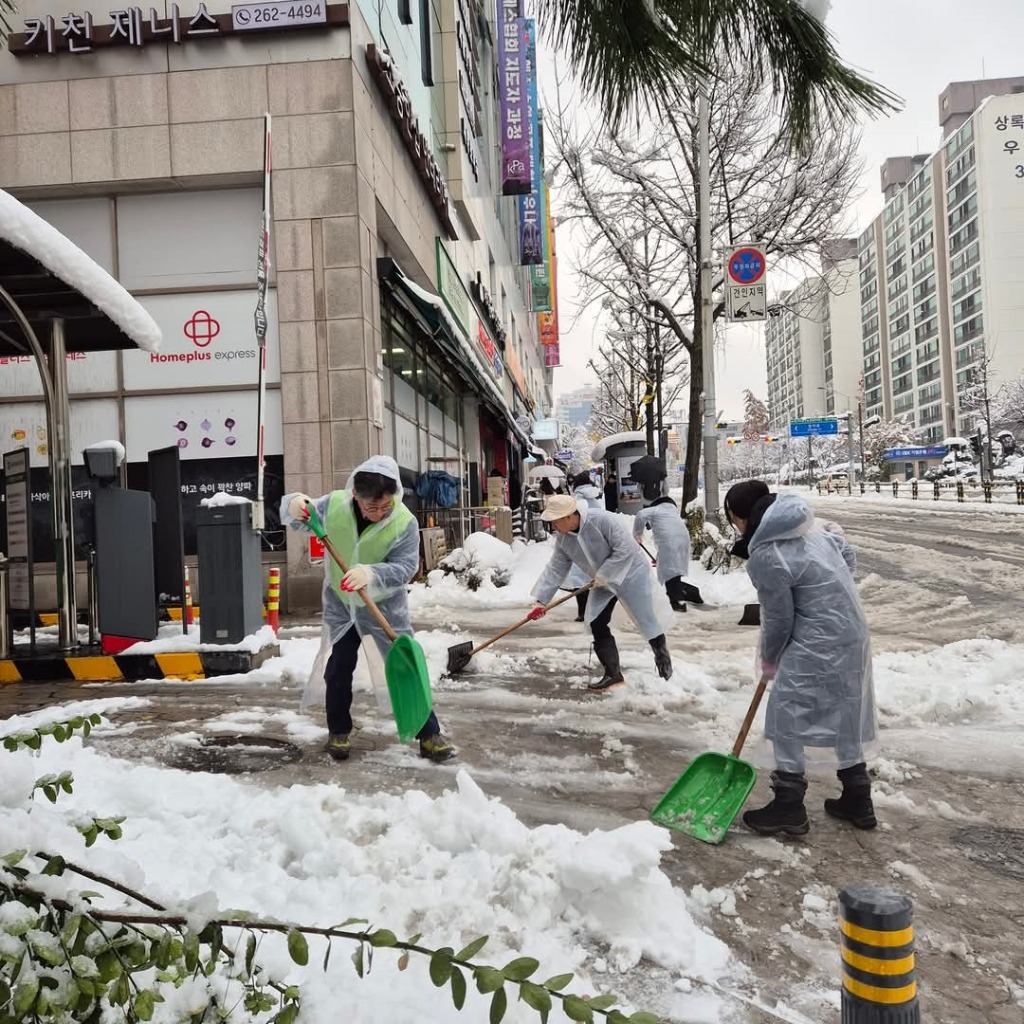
{"x":230,"y":573}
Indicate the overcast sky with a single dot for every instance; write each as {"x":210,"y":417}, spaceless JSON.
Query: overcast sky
{"x":913,"y":47}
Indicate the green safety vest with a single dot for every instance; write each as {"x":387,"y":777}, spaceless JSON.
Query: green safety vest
{"x":369,"y":548}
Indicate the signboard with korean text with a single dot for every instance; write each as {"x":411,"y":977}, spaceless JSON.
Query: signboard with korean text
{"x":531,"y":238}
{"x":88,"y":372}
{"x":217,"y":424}
{"x":540,"y":275}
{"x":451,"y":287}
{"x":18,"y":540}
{"x":814,"y":427}
{"x":516,"y":176}
{"x":492,"y":357}
{"x":915,"y":452}
{"x":82,"y":32}
{"x":208,"y":341}
{"x":745,"y":296}
{"x":551,"y":355}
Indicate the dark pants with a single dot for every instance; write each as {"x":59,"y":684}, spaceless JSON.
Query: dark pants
{"x":676,"y":590}
{"x":581,"y":603}
{"x":338,"y":675}
{"x":600,"y":626}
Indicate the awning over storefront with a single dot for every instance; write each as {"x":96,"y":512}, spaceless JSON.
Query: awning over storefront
{"x":429,"y":308}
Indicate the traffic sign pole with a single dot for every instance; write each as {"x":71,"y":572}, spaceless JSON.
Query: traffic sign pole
{"x":706,"y":308}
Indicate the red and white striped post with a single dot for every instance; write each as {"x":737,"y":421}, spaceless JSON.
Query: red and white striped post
{"x":188,"y":599}
{"x":274,"y":599}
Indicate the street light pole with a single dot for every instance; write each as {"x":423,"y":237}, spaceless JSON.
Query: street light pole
{"x":706,"y":308}
{"x":860,"y":424}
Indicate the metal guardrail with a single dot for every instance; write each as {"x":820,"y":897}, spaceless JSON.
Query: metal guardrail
{"x":1004,"y":491}
{"x":459,"y":522}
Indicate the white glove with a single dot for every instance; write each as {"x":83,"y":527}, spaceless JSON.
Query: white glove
{"x":355,"y":579}
{"x":600,"y":581}
{"x":297,"y":507}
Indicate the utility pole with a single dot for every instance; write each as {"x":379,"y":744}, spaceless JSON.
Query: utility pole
{"x":706,"y":309}
{"x":860,"y":424}
{"x":849,"y":450}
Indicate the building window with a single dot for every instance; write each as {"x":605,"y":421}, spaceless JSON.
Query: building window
{"x":426,"y":43}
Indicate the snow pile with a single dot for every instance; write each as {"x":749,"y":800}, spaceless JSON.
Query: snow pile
{"x":481,"y":550}
{"x":453,"y":868}
{"x":222,"y":498}
{"x":27,"y":231}
{"x":107,"y":446}
{"x":170,"y":640}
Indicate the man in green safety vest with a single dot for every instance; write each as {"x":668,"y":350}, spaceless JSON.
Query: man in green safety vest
{"x":378,"y":537}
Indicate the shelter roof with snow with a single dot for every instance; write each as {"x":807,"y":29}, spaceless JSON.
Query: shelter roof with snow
{"x":626,"y":437}
{"x":50,"y":278}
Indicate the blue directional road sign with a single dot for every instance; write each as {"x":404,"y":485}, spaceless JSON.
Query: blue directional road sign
{"x":934,"y":452}
{"x":814,"y":427}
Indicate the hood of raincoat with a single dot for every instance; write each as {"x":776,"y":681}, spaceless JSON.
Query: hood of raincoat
{"x":587,"y":492}
{"x":666,"y":500}
{"x":383,"y":464}
{"x":787,"y":517}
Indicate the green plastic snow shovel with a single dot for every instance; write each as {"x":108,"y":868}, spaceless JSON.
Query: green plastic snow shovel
{"x":405,"y":666}
{"x":706,"y":798}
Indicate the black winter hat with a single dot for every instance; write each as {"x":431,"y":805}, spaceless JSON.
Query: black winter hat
{"x":742,"y":497}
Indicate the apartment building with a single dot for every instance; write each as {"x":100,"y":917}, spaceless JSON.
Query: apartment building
{"x":812,"y":341}
{"x":940,"y":279}
{"x":575,"y":406}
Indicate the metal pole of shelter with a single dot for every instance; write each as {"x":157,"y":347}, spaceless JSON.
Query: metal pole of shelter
{"x":849,"y":449}
{"x":706,"y":308}
{"x":54,"y":377}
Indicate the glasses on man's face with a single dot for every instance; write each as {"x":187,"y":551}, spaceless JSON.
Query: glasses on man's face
{"x":374,"y":506}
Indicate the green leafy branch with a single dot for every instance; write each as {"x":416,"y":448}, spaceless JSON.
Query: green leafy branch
{"x":60,"y":731}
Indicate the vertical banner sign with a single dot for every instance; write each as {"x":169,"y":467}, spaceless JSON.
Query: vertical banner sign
{"x":17,"y":500}
{"x":540,"y":275}
{"x":531,"y":240}
{"x":262,"y":274}
{"x":515,"y":140}
{"x":547,"y":323}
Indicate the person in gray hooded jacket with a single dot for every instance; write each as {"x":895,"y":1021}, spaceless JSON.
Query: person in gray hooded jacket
{"x":816,"y":647}
{"x":599,"y":543}
{"x":672,"y":538}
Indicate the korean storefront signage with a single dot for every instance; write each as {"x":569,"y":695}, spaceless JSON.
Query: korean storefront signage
{"x":516,"y":176}
{"x":487,"y":309}
{"x":540,"y":275}
{"x":491,"y":354}
{"x":399,"y":102}
{"x":78,"y":33}
{"x":451,"y":288}
{"x":531,"y":240}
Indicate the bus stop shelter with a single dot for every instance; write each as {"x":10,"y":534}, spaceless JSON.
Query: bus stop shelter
{"x":56,"y":300}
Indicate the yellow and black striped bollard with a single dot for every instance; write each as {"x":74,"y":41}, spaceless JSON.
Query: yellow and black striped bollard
{"x":876,"y":937}
{"x":274,"y":599}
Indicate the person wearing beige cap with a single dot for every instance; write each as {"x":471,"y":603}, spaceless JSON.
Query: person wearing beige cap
{"x":600,"y":544}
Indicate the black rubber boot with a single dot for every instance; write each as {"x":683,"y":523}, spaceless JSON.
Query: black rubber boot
{"x":786,"y":813}
{"x":855,"y":804}
{"x":662,"y":659}
{"x":607,"y":652}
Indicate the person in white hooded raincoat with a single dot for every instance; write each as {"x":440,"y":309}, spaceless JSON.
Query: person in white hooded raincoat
{"x":672,"y":538}
{"x":599,"y":543}
{"x":816,"y":646}
{"x":379,"y":539}
{"x":583,"y":489}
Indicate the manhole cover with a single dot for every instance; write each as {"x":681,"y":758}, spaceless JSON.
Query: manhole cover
{"x":999,"y":849}
{"x":233,"y":755}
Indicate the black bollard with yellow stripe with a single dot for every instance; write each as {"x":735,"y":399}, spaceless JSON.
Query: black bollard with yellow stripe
{"x":876,"y":937}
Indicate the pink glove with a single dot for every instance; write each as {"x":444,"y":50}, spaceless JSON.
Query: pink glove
{"x":768,"y":670}
{"x":654,"y":564}
{"x":536,"y":612}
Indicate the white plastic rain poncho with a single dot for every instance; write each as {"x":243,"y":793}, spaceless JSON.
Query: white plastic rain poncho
{"x":390,"y":571}
{"x":591,"y":496}
{"x":603,"y":548}
{"x":813,"y":628}
{"x":671,"y":537}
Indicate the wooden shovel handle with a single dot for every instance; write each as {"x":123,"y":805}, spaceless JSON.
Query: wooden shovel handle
{"x":522,"y":622}
{"x":367,"y":600}
{"x":737,"y":747}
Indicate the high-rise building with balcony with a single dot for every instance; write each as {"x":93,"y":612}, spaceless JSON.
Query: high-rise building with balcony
{"x":940,"y":275}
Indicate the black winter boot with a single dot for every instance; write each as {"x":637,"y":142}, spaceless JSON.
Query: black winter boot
{"x":855,"y":804}
{"x":662,"y":659}
{"x":607,"y":652}
{"x":786,"y":813}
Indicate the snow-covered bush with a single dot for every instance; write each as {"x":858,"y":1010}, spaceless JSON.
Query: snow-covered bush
{"x":483,"y":557}
{"x":710,"y":540}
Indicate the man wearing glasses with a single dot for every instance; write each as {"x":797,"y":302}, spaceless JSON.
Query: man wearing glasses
{"x":379,"y":538}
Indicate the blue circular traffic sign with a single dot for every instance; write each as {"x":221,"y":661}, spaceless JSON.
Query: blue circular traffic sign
{"x":746,"y":265}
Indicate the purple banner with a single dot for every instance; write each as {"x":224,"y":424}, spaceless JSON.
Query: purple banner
{"x":531,"y":234}
{"x":516,"y":172}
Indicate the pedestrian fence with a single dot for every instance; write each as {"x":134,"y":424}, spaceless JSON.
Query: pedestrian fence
{"x":989,"y":492}
{"x":458,"y":523}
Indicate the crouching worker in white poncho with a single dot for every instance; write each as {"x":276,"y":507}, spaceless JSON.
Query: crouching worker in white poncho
{"x":599,"y":543}
{"x":672,"y":538}
{"x":379,"y":538}
{"x":816,"y":647}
